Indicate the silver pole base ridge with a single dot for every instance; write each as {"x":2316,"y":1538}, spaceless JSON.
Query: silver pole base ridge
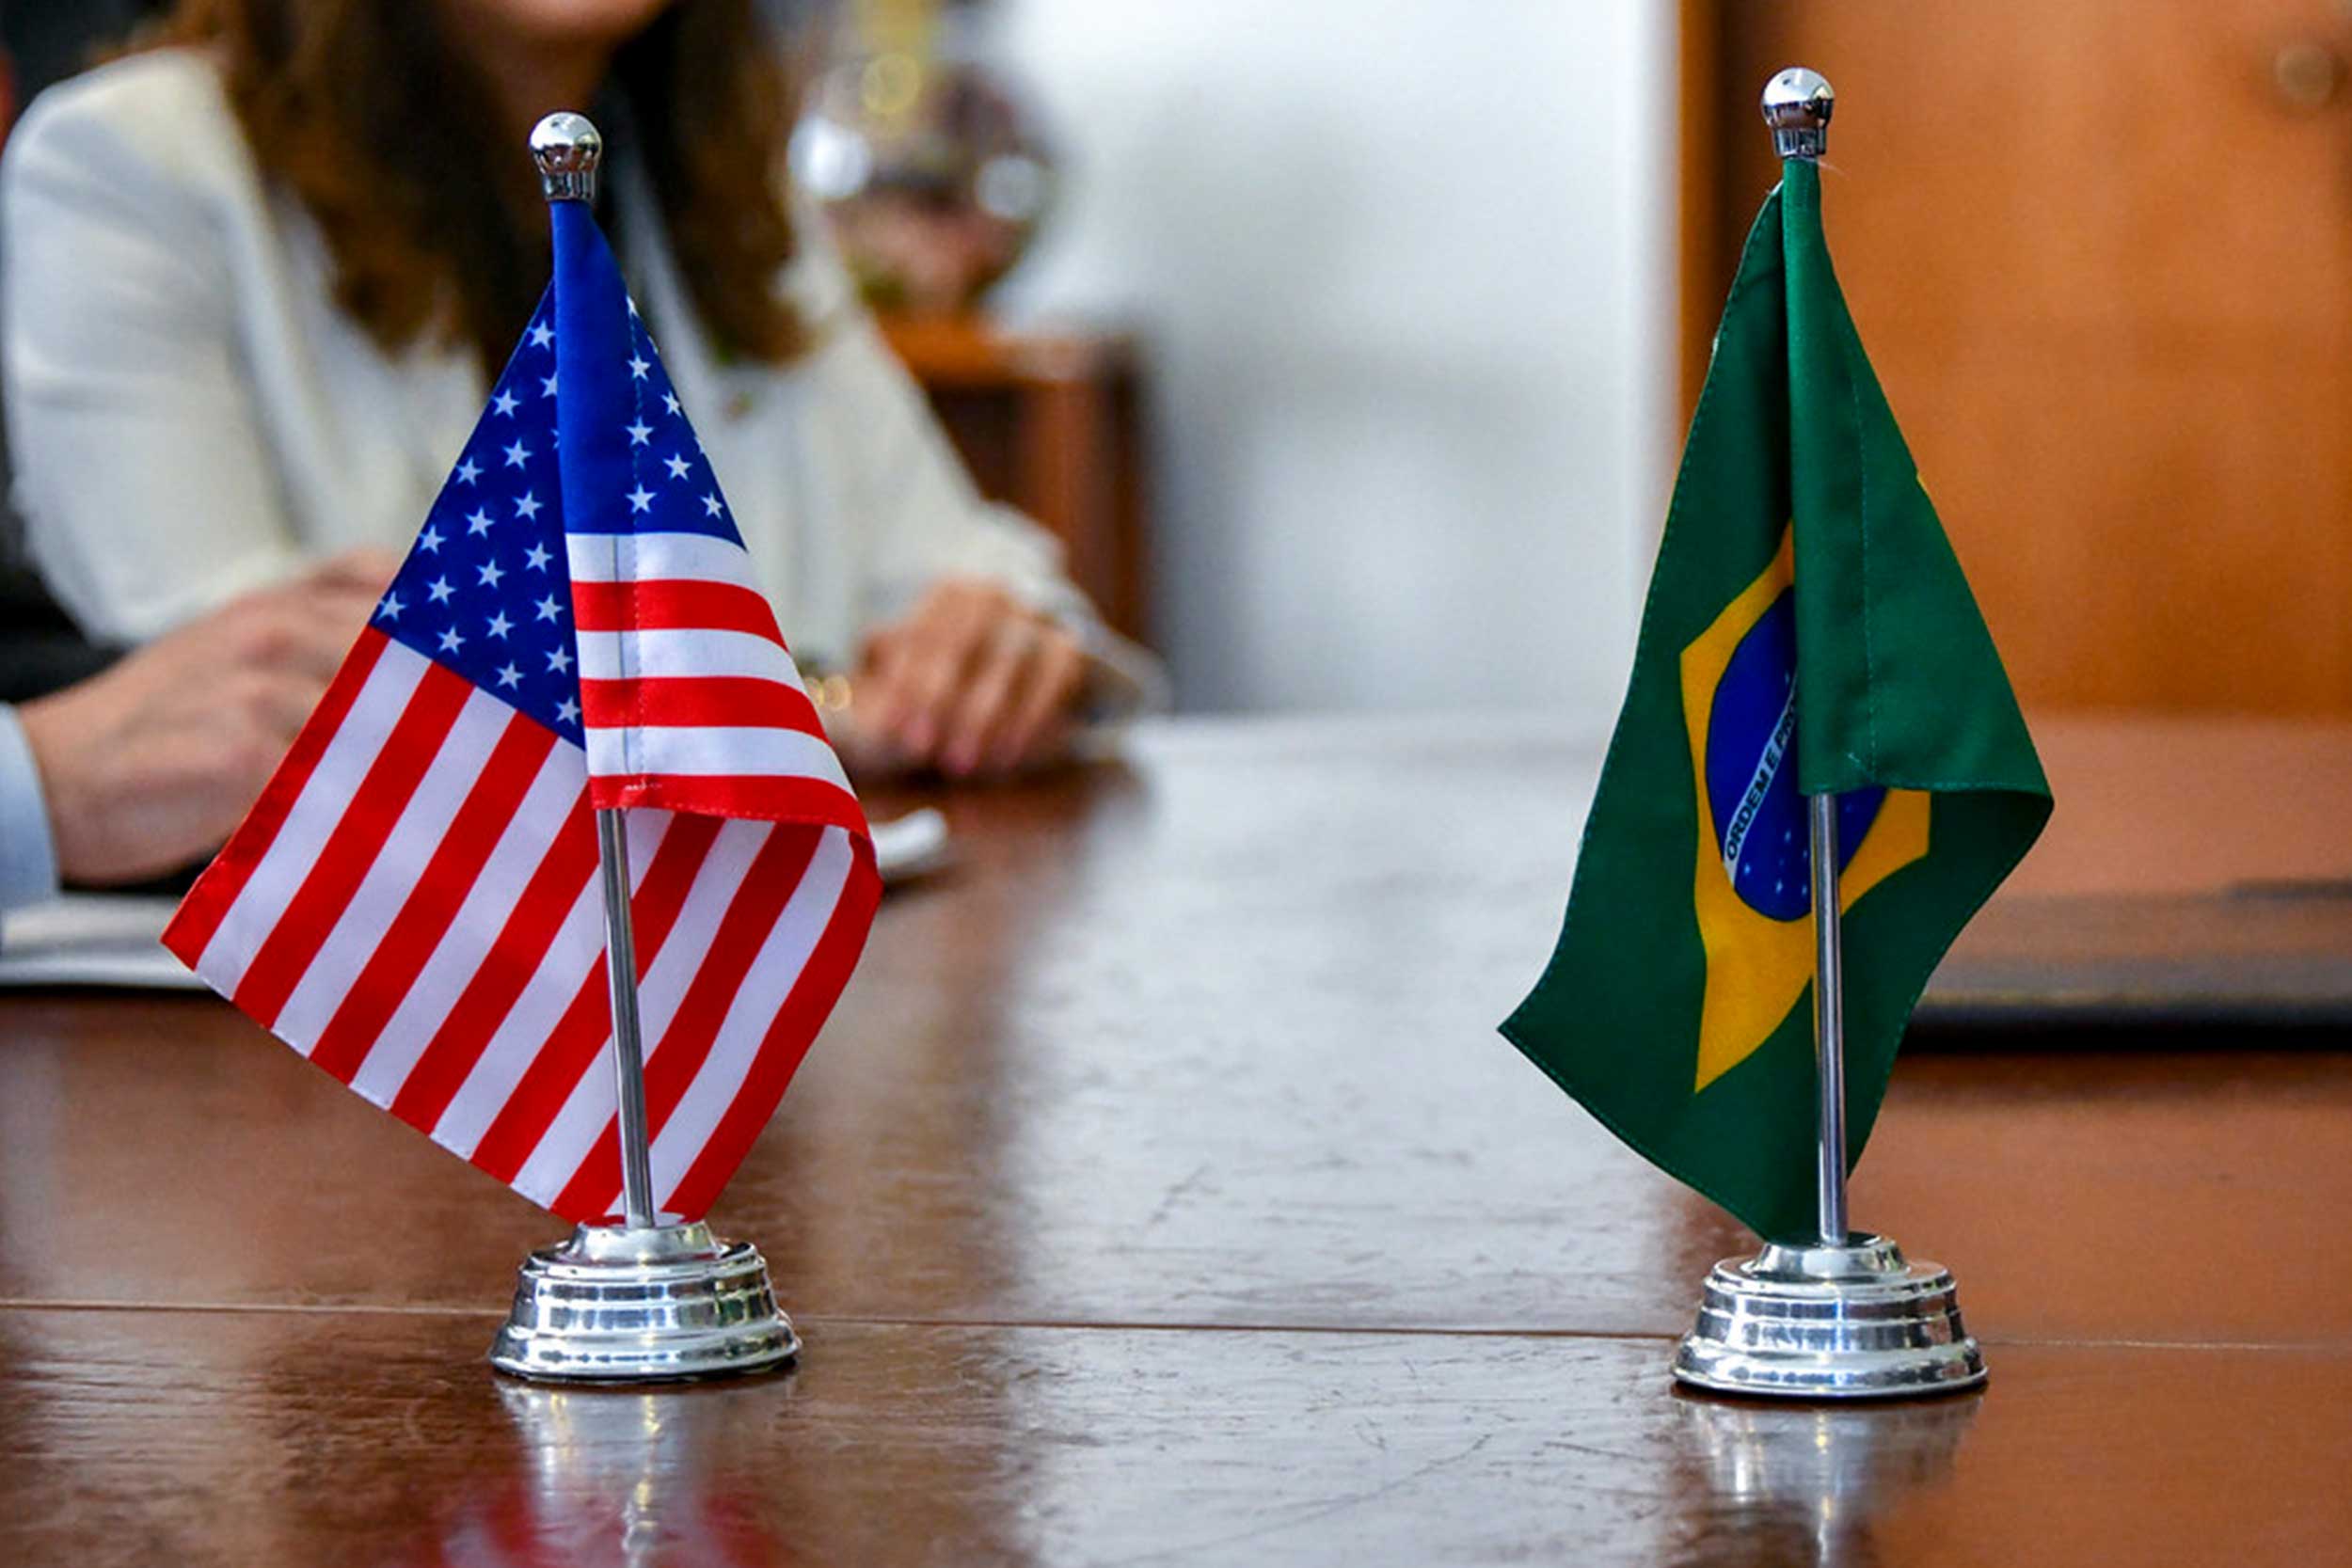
{"x":1825,"y":1323}
{"x":656,"y":1305}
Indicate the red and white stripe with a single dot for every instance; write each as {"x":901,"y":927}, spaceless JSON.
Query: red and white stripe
{"x":413,"y":904}
{"x":691,"y":700}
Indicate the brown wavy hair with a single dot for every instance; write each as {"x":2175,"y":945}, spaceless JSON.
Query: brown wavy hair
{"x":390,"y":137}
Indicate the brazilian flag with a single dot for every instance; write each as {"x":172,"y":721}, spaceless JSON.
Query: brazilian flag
{"x":1807,"y":630}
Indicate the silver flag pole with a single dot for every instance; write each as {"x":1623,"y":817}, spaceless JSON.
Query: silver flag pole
{"x":628,"y":1050}
{"x":1829,"y":1017}
{"x":1797,"y":107}
{"x":569,"y":152}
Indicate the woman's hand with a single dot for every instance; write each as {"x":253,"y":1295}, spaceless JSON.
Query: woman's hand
{"x":151,"y":763}
{"x":971,"y":681}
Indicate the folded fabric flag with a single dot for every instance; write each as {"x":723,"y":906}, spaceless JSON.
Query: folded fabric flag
{"x":414,"y":902}
{"x":1808,"y":631}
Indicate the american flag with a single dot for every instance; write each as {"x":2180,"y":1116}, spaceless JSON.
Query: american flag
{"x":414,"y":901}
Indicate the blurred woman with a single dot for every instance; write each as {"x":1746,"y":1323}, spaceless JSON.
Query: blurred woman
{"x":260,"y":273}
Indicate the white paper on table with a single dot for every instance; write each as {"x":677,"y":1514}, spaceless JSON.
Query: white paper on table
{"x":912,"y":845}
{"x":93,"y":938}
{"x":116,"y":938}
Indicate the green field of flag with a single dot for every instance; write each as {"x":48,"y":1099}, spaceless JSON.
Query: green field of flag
{"x":1807,"y":630}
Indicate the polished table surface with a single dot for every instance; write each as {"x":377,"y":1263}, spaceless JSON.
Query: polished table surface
{"x":1161,"y":1192}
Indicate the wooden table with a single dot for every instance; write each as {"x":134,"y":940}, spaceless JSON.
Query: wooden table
{"x":1161,"y":1193}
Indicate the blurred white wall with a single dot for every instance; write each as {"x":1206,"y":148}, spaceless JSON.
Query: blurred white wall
{"x":1404,"y":269}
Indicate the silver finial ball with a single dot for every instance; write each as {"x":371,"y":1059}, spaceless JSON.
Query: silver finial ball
{"x":1797,"y":106}
{"x":568,"y":149}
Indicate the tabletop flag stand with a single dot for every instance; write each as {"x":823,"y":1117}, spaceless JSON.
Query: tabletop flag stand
{"x":1803,"y":575}
{"x":567,"y":788}
{"x":646,"y":1301}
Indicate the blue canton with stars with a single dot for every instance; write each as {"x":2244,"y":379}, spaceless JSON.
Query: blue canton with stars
{"x":485,"y":590}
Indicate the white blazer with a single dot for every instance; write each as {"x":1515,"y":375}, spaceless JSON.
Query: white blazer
{"x":191,"y":414}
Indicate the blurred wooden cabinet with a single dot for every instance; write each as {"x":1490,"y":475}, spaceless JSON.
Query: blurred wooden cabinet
{"x":2102,"y":255}
{"x":1049,"y":423}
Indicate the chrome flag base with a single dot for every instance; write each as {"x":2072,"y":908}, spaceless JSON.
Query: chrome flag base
{"x":1824,"y":1323}
{"x":654,"y":1305}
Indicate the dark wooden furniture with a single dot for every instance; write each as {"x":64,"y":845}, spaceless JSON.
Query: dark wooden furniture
{"x":2137,"y":450}
{"x":1161,"y":1192}
{"x":1049,"y":423}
